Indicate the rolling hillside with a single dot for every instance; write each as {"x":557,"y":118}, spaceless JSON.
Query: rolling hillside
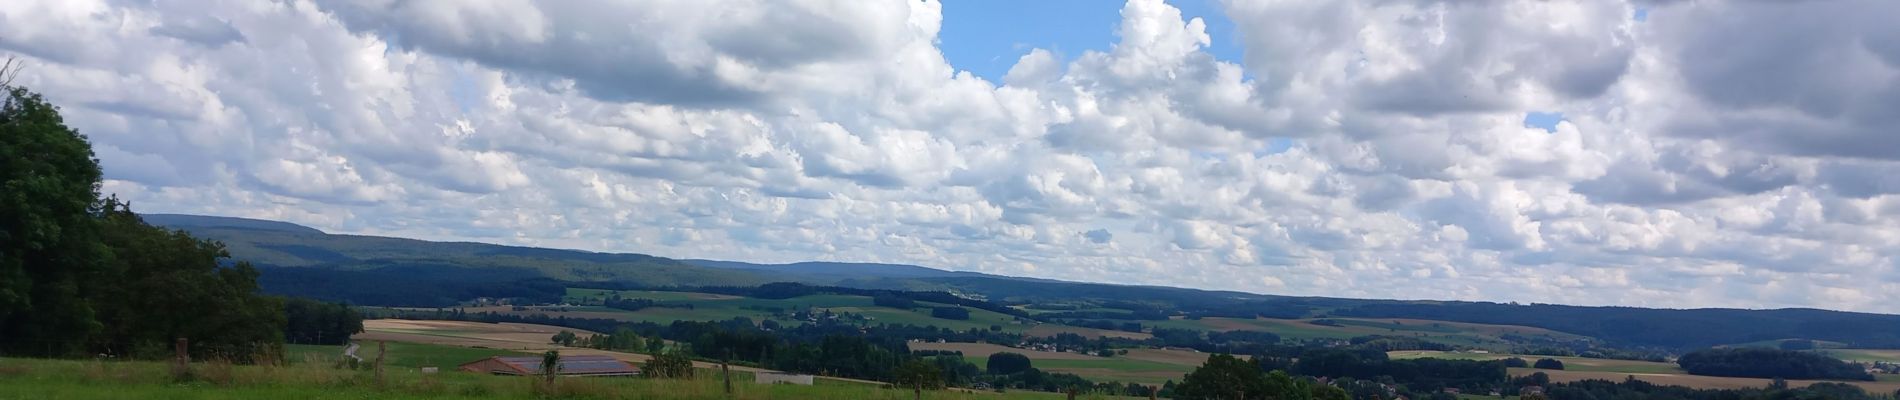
{"x":370,"y":270}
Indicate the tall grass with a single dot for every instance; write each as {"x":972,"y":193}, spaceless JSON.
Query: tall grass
{"x":72,"y":379}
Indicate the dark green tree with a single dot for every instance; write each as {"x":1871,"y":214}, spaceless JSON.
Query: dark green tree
{"x":83,"y":274}
{"x":51,"y":260}
{"x":1005,"y":363}
{"x":1223,"y":377}
{"x":165,"y":284}
{"x":314,"y":322}
{"x":918,"y":376}
{"x":564,"y":338}
{"x":550,"y":365}
{"x":1548,"y":363}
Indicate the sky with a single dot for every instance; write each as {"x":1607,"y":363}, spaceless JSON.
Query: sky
{"x":1645,"y":153}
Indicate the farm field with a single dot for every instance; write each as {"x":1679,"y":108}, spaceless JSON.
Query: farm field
{"x":1695,"y":381}
{"x":464,"y":341}
{"x":1454,"y":333}
{"x":716,"y":307}
{"x":1046,"y":330}
{"x":1776,"y":344}
{"x":1577,"y":368}
{"x":1150,"y":366}
{"x":1864,"y":355}
{"x":1570,"y":363}
{"x":84,"y":380}
{"x":399,"y":354}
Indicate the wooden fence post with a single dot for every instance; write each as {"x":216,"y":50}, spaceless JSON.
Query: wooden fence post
{"x":381,"y":348}
{"x":726,"y":372}
{"x":181,"y":361}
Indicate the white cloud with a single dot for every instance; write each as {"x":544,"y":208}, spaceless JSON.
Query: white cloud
{"x":1756,"y":175}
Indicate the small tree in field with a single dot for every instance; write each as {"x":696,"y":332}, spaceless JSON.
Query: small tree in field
{"x":669,"y":365}
{"x":1549,"y":363}
{"x":550,"y":365}
{"x":919,"y":375}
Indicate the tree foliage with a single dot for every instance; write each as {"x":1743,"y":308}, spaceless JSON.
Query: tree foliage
{"x":314,"y":322}
{"x":51,"y":258}
{"x":1548,"y":363}
{"x":955,"y":313}
{"x":1224,"y":376}
{"x":82,"y":274}
{"x":1005,"y":363}
{"x":920,"y":375}
{"x":1756,"y":362}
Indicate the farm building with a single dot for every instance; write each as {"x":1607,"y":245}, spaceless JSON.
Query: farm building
{"x":774,"y":377}
{"x":570,"y":366}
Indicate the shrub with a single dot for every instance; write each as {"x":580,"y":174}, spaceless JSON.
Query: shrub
{"x":956,"y":313}
{"x":1005,"y":363}
{"x":1549,"y":363}
{"x":668,"y":365}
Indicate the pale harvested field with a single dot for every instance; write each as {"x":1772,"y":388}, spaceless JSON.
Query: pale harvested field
{"x":510,"y":310}
{"x":1704,"y":382}
{"x":1047,"y":330}
{"x":984,"y":350}
{"x":527,"y":334}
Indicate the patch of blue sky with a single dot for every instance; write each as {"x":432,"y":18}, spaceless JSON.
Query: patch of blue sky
{"x":1543,"y":120}
{"x":986,"y":37}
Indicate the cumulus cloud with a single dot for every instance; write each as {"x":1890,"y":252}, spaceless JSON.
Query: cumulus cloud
{"x":1714,"y":154}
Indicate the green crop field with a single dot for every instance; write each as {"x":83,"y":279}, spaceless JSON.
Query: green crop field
{"x":83,"y":380}
{"x":1864,"y":355}
{"x":1776,"y":344}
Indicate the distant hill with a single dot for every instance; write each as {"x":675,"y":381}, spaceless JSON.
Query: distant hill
{"x":372,"y":270}
{"x":192,"y":222}
{"x":842,"y":270}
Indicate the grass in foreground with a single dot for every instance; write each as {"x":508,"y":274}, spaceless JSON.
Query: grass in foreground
{"x":73,"y":379}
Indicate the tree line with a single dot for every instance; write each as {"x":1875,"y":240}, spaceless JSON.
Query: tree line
{"x":1759,"y":362}
{"x":82,"y":274}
